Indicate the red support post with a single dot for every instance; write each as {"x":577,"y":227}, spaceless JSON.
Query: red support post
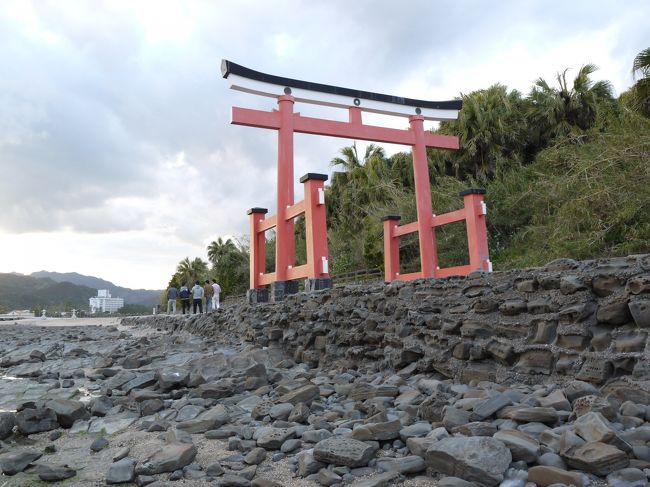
{"x":258,"y":246}
{"x":391,"y":247}
{"x":475,"y":210}
{"x":315,"y":226}
{"x":428,"y":253}
{"x":285,"y":254}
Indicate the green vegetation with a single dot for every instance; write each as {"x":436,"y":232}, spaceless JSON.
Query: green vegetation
{"x":566,"y":168}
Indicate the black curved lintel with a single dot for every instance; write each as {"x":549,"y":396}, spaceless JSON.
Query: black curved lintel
{"x":228,"y":67}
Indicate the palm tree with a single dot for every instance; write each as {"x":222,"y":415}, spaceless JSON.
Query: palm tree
{"x":641,"y":89}
{"x":189,"y":271}
{"x":218,"y":248}
{"x":553,"y":112}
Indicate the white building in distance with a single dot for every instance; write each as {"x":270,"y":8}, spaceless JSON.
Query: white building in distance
{"x":104,"y":303}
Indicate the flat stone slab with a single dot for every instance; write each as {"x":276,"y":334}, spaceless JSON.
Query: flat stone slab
{"x":476,"y":459}
{"x":12,"y":463}
{"x":169,"y":458}
{"x":344,"y":451}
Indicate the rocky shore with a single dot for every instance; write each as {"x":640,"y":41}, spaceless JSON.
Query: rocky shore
{"x":136,"y":406}
{"x":521,"y":379}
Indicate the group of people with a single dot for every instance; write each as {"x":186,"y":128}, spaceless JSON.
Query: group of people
{"x":209,"y":292}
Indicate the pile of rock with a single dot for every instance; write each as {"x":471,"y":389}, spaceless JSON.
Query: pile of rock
{"x":331,"y":427}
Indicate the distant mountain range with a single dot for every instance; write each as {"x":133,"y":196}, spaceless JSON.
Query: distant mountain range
{"x":145,"y":297}
{"x":59,"y":291}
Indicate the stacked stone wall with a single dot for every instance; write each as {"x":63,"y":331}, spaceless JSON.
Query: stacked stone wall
{"x":588,"y":320}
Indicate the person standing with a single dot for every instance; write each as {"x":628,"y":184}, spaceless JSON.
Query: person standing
{"x":208,"y":292}
{"x":185,"y":298}
{"x":217,"y":290}
{"x":172,"y":294}
{"x":197,"y":294}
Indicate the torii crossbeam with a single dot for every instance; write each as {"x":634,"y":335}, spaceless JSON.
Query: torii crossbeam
{"x":287,"y":122}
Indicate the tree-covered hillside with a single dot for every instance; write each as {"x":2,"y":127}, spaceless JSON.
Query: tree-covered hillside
{"x":24,"y":292}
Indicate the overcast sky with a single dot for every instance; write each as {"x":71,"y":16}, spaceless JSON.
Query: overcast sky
{"x":117,"y":158}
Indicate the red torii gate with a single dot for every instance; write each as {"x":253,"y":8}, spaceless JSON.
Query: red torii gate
{"x":287,"y":122}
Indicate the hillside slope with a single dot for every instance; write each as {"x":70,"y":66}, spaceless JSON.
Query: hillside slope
{"x":144,"y":297}
{"x":26,"y":292}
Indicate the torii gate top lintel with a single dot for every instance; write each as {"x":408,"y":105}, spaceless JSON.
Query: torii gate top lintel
{"x":258,"y":83}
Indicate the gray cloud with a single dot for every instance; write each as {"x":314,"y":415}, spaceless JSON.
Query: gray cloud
{"x":99,"y":100}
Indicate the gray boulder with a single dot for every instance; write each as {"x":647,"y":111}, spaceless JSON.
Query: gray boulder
{"x":121,"y":472}
{"x":169,"y":458}
{"x":476,"y":459}
{"x":344,"y":451}
{"x":36,"y":420}
{"x":7,"y":423}
{"x":15,"y":462}
{"x":55,"y":473}
{"x":67,"y":412}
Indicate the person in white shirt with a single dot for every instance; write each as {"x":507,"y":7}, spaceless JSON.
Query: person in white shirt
{"x":215,"y":298}
{"x":197,"y":294}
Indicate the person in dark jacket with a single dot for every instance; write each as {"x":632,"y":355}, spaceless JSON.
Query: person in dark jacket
{"x":185,"y":298}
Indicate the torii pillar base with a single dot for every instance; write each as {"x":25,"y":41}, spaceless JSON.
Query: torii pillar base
{"x":317,"y":284}
{"x":259,"y":295}
{"x":282,"y":289}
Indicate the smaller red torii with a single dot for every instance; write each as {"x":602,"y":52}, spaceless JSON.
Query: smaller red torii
{"x":287,"y":122}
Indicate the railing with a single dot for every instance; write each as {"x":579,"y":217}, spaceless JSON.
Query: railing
{"x":474,"y":215}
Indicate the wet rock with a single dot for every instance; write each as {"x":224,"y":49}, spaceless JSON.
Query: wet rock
{"x":381,"y":480}
{"x":262,"y":482}
{"x":614,"y":313}
{"x":344,"y":451}
{"x":454,"y":482}
{"x":327,"y":477}
{"x":31,"y":421}
{"x":299,"y":413}
{"x":173,"y":378}
{"x":255,"y":456}
{"x":304,"y":394}
{"x":308,"y":465}
{"x":101,"y":406}
{"x":488,"y":407}
{"x":534,"y":414}
{"x":522,"y":446}
{"x":314,"y":436}
{"x":594,"y":427}
{"x":67,"y":412}
{"x":55,"y":473}
{"x":99,"y":444}
{"x":596,"y":457}
{"x":640,"y":310}
{"x":416,"y":430}
{"x":15,"y":462}
{"x":476,"y":459}
{"x":169,"y":458}
{"x":402,"y":465}
{"x":122,"y":471}
{"x":231,"y":480}
{"x":628,"y":477}
{"x":377,"y":431}
{"x":280,"y":411}
{"x":7,"y":423}
{"x":476,"y":428}
{"x":273,"y":438}
{"x":545,"y":476}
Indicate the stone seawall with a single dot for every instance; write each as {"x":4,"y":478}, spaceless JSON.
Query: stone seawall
{"x":588,"y":320}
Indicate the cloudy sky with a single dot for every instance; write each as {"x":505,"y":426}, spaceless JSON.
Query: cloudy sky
{"x":117,"y":158}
